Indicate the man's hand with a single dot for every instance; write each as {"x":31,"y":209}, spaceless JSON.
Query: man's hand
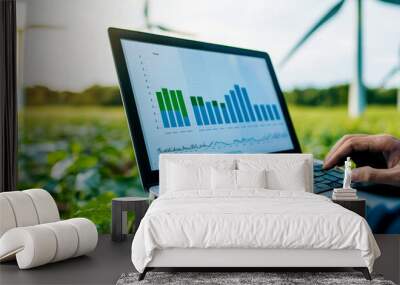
{"x":364,"y":147}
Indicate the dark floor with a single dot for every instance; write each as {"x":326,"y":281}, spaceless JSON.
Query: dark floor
{"x":102,"y":266}
{"x":111,"y":259}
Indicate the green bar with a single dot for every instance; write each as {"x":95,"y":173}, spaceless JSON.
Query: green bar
{"x":160,"y":101}
{"x":215,"y":103}
{"x":167,"y":99}
{"x":193,"y":100}
{"x":174,"y":100}
{"x":182,"y":103}
{"x":200,"y":100}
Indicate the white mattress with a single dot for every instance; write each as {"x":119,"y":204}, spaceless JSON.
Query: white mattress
{"x":255,"y":257}
{"x":253,"y":219}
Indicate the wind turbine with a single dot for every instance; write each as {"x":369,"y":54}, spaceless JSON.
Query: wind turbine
{"x":150,"y":25}
{"x":392,"y":72}
{"x":22,"y":28}
{"x":357,"y":96}
{"x":20,"y":56}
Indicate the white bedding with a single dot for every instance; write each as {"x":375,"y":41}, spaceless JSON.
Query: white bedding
{"x":251,"y":218}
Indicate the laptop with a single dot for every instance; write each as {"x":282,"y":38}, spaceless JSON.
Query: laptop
{"x":187,"y":96}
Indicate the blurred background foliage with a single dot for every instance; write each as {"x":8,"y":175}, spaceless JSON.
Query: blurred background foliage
{"x":109,"y":96}
{"x":77,"y":145}
{"x":81,"y":155}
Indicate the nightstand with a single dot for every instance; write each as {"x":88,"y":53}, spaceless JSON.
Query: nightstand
{"x":356,"y":206}
{"x":120,"y":207}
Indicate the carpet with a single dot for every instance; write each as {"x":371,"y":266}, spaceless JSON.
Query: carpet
{"x":225,"y":278}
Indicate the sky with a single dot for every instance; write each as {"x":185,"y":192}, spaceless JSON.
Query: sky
{"x":70,"y":48}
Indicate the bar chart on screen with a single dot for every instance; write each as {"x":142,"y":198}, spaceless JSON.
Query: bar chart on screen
{"x":201,"y":101}
{"x":173,"y":109}
{"x":236,"y":108}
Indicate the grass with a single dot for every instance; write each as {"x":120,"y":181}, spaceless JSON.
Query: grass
{"x":84,"y":156}
{"x":318,"y":128}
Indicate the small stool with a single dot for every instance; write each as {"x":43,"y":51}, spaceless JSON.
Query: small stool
{"x":120,"y":207}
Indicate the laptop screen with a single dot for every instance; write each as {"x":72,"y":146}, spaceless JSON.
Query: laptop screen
{"x":191,"y":100}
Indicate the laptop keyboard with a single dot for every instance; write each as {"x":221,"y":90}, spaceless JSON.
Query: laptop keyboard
{"x":326,"y":180}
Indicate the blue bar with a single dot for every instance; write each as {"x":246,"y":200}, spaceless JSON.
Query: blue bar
{"x":210,"y":113}
{"x":175,"y":107}
{"x":275,"y":109}
{"x":236,"y":105}
{"x":164,"y":118}
{"x":169,"y":107}
{"x":172,"y":118}
{"x":258,"y":113}
{"x":271,"y":115}
{"x":241,"y":102}
{"x":217,"y":112}
{"x":225,"y":113}
{"x":179,"y":118}
{"x":204,"y":115}
{"x":248,"y":104}
{"x":264,"y":113}
{"x":197,"y":115}
{"x":187,"y":121}
{"x":230,"y":108}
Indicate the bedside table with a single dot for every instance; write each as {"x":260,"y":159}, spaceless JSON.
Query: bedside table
{"x":356,"y":206}
{"x":120,"y":207}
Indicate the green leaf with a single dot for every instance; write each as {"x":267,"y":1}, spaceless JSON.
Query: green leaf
{"x":60,"y":168}
{"x":327,"y":16}
{"x":76,"y":147}
{"x":98,"y":210}
{"x":55,"y":156}
{"x":88,"y":180}
{"x":84,"y":162}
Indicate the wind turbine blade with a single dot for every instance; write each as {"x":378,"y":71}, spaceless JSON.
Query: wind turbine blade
{"x":146,"y":8}
{"x":390,"y":75}
{"x":167,"y":29}
{"x":151,"y":25}
{"x":327,"y":16}
{"x":146,"y":14}
{"x":396,"y":2}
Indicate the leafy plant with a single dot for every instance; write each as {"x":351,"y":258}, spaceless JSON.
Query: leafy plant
{"x":84,"y":157}
{"x":81,"y":158}
{"x":98,"y":210}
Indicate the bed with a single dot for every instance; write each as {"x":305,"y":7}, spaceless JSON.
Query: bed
{"x":247,"y":211}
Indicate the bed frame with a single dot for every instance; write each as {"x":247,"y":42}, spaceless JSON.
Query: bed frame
{"x":191,"y":259}
{"x":250,"y":259}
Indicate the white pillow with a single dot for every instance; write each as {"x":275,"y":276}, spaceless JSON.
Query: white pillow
{"x":228,"y":179}
{"x":223,"y":179}
{"x":183,"y":178}
{"x":251,"y":178}
{"x":184,"y":175}
{"x":282,"y":174}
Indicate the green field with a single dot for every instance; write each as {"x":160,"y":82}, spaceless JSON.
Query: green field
{"x":84,"y":157}
{"x":318,"y":128}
